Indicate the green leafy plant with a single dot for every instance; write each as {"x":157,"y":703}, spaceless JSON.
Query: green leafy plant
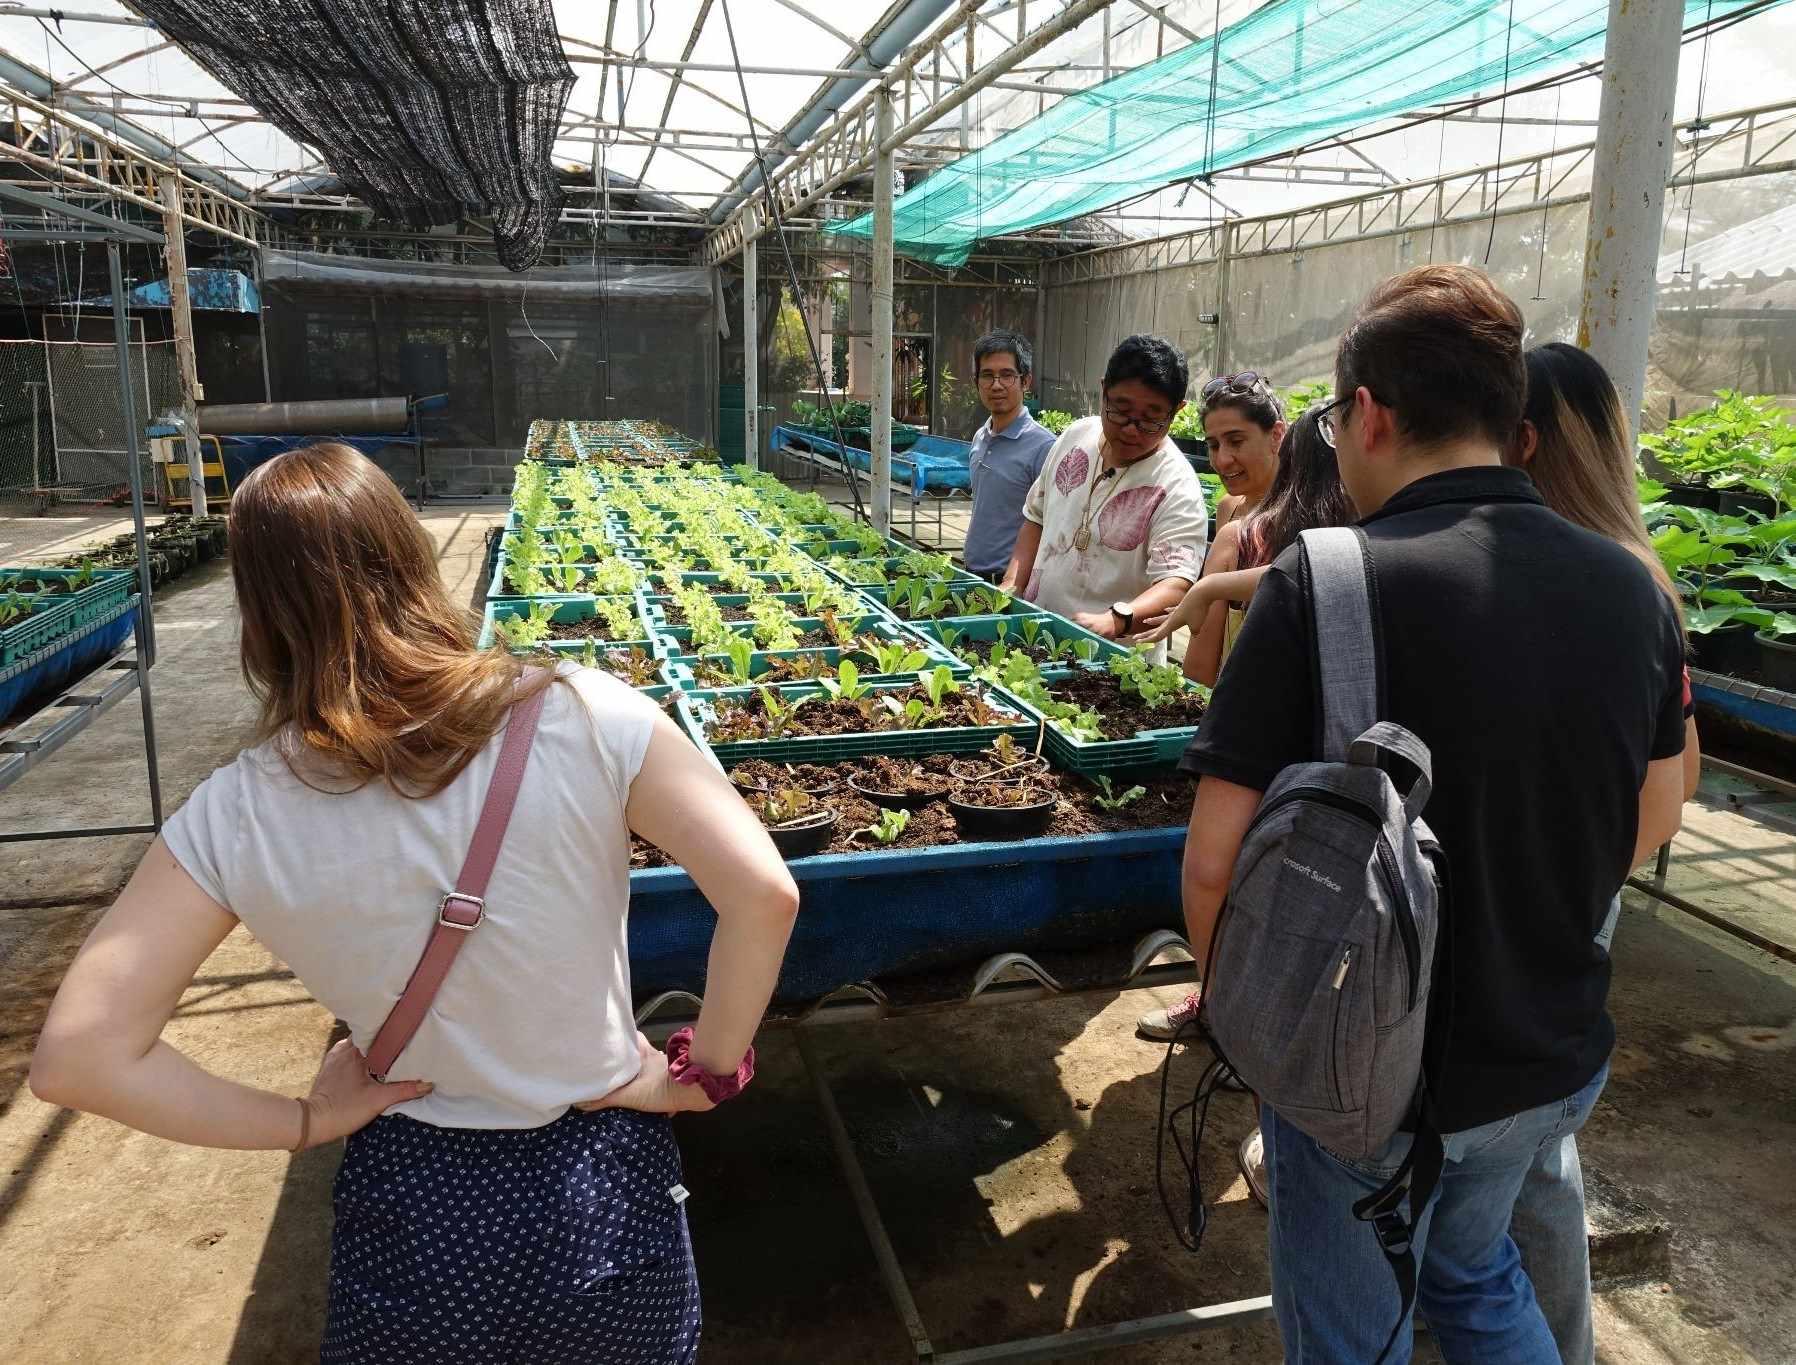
{"x":1300,"y":398}
{"x":1113,"y":800}
{"x":1740,"y":440}
{"x":740,"y":653}
{"x":619,"y":616}
{"x":1154,"y":684}
{"x":528,"y":630}
{"x":887,"y":829}
{"x":847,"y":684}
{"x":1054,"y":419}
{"x":781,"y":712}
{"x":980,"y":602}
{"x":786,"y":805}
{"x":938,"y":682}
{"x":893,"y":656}
{"x":772,"y":627}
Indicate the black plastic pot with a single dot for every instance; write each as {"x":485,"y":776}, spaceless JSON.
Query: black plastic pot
{"x":1777,"y":662}
{"x":1736,"y":502}
{"x":979,"y":770}
{"x":804,"y":836}
{"x":894,"y":800}
{"x":1693,"y":495}
{"x":1001,"y":822}
{"x":1730,"y":650}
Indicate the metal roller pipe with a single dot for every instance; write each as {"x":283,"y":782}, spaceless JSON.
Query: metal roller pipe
{"x":363,"y":416}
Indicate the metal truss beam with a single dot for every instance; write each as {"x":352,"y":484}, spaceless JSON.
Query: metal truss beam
{"x":78,"y":157}
{"x":1749,"y":142}
{"x":845,"y":148}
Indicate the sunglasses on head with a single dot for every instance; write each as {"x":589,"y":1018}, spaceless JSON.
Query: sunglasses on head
{"x":1248,"y":381}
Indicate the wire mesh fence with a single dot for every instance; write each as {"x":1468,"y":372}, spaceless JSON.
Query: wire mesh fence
{"x":62,"y":428}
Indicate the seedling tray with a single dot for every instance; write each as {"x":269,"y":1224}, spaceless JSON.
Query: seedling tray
{"x":496,"y":588}
{"x":1018,"y":607}
{"x":985,"y":629}
{"x":1149,"y":749}
{"x":51,"y":618}
{"x":696,"y":708}
{"x":572,"y":607}
{"x":110,"y":589}
{"x":655,"y":605}
{"x":858,"y":574}
{"x":676,"y":641}
{"x":683,"y":668}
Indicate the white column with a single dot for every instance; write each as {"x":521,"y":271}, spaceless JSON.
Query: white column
{"x":751,"y":346}
{"x":882,"y":318}
{"x":181,"y":310}
{"x":1627,"y":198}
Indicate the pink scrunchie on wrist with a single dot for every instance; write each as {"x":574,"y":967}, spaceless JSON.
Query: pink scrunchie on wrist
{"x":688,"y":1072}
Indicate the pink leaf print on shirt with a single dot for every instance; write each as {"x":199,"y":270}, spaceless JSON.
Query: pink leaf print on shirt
{"x":1073,"y":470}
{"x":1170,"y":557}
{"x":1123,"y":523}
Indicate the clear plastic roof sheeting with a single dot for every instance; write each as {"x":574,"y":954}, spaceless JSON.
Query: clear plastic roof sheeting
{"x":679,"y":123}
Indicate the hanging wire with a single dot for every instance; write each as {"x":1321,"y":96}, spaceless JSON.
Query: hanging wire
{"x":1502,"y":127}
{"x":1697,"y":129}
{"x":1210,"y":115}
{"x":1540,"y":274}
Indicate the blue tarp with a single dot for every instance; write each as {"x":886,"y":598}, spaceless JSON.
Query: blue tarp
{"x":208,"y":290}
{"x":935,"y":464}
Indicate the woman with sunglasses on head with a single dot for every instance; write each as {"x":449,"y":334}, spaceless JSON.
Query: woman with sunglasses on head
{"x":1244,"y":424}
{"x":1245,"y":427}
{"x":1115,"y":525}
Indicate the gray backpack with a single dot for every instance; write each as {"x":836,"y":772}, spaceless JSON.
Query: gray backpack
{"x":1324,"y":953}
{"x":1323,"y":958}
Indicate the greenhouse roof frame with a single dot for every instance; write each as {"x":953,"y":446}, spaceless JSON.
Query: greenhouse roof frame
{"x":963,"y":71}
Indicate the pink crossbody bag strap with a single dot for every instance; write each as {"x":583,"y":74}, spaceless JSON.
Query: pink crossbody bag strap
{"x":460,"y":912}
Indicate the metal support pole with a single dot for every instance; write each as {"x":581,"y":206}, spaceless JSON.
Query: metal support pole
{"x":1225,"y":249}
{"x":883,"y":1253}
{"x":1627,"y":197}
{"x":262,"y":328}
{"x":181,"y":311}
{"x":882,"y":318}
{"x":751,"y":350}
{"x":133,"y":451}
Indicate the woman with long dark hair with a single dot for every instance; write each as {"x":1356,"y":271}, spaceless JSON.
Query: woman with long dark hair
{"x":514,"y":1196}
{"x":1306,"y":493}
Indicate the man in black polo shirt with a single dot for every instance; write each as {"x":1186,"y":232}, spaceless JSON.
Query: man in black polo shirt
{"x":1543,"y":668}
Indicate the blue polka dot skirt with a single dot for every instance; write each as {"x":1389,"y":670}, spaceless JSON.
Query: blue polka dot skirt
{"x":532,"y":1246}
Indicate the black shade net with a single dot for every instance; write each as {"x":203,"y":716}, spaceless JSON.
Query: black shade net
{"x":426,"y":109}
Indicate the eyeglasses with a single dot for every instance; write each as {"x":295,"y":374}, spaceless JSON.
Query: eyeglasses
{"x":1325,"y":419}
{"x":990,"y":377}
{"x":1248,"y":381}
{"x":1145,"y":426}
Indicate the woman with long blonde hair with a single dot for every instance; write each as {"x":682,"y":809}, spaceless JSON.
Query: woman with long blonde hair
{"x":515,"y":1196}
{"x":1574,"y":442}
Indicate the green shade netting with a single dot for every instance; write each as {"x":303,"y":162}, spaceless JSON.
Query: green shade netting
{"x":1289,"y":74}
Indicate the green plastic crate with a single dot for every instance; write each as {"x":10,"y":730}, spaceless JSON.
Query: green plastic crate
{"x":573,"y":607}
{"x":51,"y":618}
{"x":676,"y":641}
{"x":1148,"y":749}
{"x":110,"y":588}
{"x":1018,"y":607}
{"x":695,"y":709}
{"x":888,"y":569}
{"x":496,"y":588}
{"x":682,"y":668}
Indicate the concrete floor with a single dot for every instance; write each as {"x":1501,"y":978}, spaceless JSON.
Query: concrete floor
{"x":1011,"y":1150}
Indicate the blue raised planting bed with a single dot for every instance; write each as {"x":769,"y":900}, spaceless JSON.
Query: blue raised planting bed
{"x":868,"y":915}
{"x":39,"y":676}
{"x":1764,"y":707}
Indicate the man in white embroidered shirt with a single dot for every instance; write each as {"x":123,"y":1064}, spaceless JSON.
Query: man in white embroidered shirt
{"x":1115,"y":527}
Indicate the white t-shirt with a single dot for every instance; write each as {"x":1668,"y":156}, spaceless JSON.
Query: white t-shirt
{"x":1148,"y":522}
{"x":535,"y":1014}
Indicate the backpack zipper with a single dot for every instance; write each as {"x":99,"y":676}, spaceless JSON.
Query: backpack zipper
{"x":1334,"y":1030}
{"x":1387,"y":859}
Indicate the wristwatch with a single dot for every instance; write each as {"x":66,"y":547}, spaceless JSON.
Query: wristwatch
{"x":1125,"y":618}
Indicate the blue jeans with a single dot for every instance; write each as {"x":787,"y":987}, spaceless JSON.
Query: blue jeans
{"x":1332,"y":1290}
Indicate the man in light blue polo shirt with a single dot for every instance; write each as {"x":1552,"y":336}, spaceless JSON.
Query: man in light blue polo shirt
{"x":1007,"y":454}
